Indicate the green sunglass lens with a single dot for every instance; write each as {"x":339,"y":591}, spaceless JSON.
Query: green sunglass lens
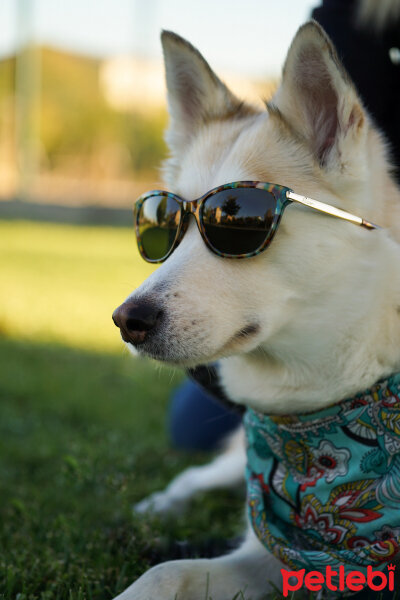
{"x":238,"y":220}
{"x":157,"y":225}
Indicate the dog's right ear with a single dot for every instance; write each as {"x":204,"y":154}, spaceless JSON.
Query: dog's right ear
{"x":196,"y":95}
{"x":319,"y":101}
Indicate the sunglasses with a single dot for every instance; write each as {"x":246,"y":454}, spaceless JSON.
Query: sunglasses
{"x":235,"y":220}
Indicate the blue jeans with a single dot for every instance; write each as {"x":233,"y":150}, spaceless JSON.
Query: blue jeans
{"x":196,"y":420}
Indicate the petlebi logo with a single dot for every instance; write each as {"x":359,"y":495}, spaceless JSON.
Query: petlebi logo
{"x":338,"y":580}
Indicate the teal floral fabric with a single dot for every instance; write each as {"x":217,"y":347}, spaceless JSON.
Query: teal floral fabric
{"x":324,"y":488}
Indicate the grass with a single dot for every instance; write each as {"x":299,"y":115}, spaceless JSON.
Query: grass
{"x":61,"y":283}
{"x":82,"y":425}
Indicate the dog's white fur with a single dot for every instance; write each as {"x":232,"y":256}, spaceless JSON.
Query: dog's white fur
{"x":310,"y":321}
{"x":225,"y":471}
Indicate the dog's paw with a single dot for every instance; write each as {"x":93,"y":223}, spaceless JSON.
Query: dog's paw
{"x":159,"y":503}
{"x":174,"y":580}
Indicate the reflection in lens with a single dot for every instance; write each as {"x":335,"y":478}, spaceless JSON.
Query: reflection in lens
{"x":237,"y":221}
{"x":158,"y":222}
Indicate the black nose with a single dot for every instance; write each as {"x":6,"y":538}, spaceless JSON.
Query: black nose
{"x":136,"y":320}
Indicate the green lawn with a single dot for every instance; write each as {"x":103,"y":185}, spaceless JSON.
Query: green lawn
{"x":82,"y":424}
{"x":61,"y":283}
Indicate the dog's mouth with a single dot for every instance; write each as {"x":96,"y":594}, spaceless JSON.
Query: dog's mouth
{"x":244,"y":333}
{"x":192,"y":351}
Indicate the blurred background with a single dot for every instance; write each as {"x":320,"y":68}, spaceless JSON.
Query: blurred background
{"x":82,"y":425}
{"x":82,"y":102}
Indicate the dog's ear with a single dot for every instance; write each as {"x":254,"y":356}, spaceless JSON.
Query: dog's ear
{"x":195,"y":94}
{"x":317,"y":97}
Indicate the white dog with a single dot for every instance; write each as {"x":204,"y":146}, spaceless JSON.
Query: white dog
{"x":311,"y":321}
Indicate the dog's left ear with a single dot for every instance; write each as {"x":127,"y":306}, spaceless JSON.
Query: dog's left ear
{"x":318,"y":99}
{"x":196,"y":95}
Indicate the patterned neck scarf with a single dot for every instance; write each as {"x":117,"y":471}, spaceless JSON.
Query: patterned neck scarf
{"x":324,"y":488}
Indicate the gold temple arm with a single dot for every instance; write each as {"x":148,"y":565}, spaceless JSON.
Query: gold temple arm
{"x":330,"y":210}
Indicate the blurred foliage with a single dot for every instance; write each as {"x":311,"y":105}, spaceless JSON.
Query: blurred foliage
{"x":7,"y":68}
{"x":7,"y":71}
{"x":77,"y":120}
{"x":79,"y":131}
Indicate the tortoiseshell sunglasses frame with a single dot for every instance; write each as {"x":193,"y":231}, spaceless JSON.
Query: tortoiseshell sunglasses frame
{"x":283,"y":197}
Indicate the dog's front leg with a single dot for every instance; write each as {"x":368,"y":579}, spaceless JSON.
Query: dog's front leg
{"x":226,"y":470}
{"x":247,"y":574}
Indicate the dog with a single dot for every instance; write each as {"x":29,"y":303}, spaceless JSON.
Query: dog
{"x":311,"y":321}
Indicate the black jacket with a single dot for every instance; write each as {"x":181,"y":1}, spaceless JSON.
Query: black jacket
{"x":366,"y":56}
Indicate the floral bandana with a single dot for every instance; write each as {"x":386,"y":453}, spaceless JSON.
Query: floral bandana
{"x":324,"y":488}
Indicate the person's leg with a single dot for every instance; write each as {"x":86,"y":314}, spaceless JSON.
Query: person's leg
{"x":197,"y":421}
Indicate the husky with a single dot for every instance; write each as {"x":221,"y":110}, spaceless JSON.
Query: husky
{"x":298,"y":328}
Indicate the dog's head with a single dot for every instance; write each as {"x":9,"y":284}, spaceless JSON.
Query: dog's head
{"x":290,"y":315}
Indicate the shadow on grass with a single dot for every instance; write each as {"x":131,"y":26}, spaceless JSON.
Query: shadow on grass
{"x":82,"y":437}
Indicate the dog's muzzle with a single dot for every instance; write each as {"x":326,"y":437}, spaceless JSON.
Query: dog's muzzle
{"x":137,"y":320}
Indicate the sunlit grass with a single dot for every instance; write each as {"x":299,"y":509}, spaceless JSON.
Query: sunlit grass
{"x":60,"y":283}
